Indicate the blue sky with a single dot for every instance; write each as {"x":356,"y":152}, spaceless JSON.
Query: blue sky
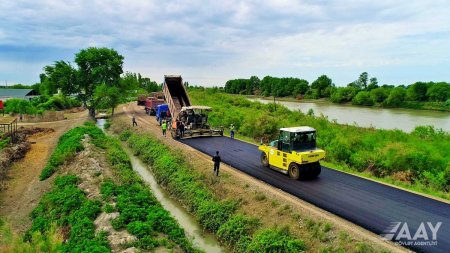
{"x":209,"y":42}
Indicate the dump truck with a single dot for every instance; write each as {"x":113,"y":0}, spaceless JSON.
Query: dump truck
{"x":194,"y":118}
{"x":162,"y":113}
{"x":141,"y":99}
{"x":294,"y":153}
{"x":151,"y":104}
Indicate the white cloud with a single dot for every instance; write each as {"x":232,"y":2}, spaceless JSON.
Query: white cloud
{"x":213,"y":41}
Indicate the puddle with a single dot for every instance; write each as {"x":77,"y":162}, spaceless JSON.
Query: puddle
{"x":200,"y":239}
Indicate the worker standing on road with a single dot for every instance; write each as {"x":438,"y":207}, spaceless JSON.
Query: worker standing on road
{"x":216,"y":159}
{"x":232,"y":131}
{"x":134,"y":120}
{"x":164,"y":127}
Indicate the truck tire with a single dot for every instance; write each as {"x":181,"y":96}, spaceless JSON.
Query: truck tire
{"x":264,"y":159}
{"x":294,"y":171}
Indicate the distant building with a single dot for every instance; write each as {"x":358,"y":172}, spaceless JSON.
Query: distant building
{"x":27,"y":94}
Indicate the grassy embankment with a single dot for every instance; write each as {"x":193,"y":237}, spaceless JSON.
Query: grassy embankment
{"x":418,"y":161}
{"x":67,"y":210}
{"x":228,"y":217}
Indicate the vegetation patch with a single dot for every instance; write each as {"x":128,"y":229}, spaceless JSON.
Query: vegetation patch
{"x":68,"y":207}
{"x":68,"y":145}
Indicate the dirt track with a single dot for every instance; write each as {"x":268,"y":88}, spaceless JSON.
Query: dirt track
{"x":24,"y":189}
{"x":240,"y":185}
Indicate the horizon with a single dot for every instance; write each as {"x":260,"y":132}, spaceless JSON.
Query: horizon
{"x":209,"y":43}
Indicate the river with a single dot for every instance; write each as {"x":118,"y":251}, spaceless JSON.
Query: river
{"x":403,"y":119}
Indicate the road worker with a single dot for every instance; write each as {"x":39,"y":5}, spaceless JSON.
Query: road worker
{"x":216,"y":159}
{"x":232,"y":131}
{"x":164,"y":127}
{"x":134,"y":120}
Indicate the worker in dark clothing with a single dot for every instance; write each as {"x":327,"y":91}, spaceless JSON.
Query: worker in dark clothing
{"x":216,"y":159}
{"x":134,"y":120}
{"x":182,"y":128}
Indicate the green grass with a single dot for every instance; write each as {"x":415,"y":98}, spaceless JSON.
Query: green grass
{"x":68,"y":145}
{"x":419,"y":160}
{"x":68,"y":207}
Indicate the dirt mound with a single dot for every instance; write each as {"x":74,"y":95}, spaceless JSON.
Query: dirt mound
{"x":10,"y":154}
{"x":29,"y":131}
{"x":17,"y":150}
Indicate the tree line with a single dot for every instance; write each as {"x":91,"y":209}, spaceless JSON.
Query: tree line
{"x":97,"y":79}
{"x":363,"y":91}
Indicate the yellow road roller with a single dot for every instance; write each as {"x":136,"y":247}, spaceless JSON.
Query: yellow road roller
{"x":294,"y":153}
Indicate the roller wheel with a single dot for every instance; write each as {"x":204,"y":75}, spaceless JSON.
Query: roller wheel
{"x":315,"y":169}
{"x":294,"y":171}
{"x":264,"y":159}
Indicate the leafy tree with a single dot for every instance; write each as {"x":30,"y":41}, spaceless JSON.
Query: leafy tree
{"x":379,"y":94}
{"x":343,"y":94}
{"x":373,"y":84}
{"x":108,"y":97}
{"x":362,"y":80}
{"x":439,"y":91}
{"x":321,"y":84}
{"x":61,"y":75}
{"x":97,"y":66}
{"x":21,"y":106}
{"x":396,"y":97}
{"x":301,"y":86}
{"x":362,"y":98}
{"x":337,"y":96}
{"x":417,"y":92}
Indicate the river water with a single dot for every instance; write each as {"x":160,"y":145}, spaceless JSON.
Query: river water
{"x":202,"y":240}
{"x":403,"y":119}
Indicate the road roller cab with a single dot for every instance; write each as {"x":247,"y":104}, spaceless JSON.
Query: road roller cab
{"x":294,"y":153}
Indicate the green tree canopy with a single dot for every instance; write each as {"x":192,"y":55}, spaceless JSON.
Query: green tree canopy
{"x":396,"y":97}
{"x":439,"y":91}
{"x":97,"y":66}
{"x":417,"y":92}
{"x":321,"y":83}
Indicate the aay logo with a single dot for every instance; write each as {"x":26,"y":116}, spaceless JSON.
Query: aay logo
{"x":401,"y":233}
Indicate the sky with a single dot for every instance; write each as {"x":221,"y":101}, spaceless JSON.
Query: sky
{"x":210,"y":42}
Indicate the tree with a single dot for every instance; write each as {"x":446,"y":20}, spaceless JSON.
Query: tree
{"x":21,"y":106}
{"x":373,"y":84}
{"x":108,"y":97}
{"x":379,"y":94}
{"x":439,"y":92}
{"x":417,"y":92}
{"x":321,"y":84}
{"x":362,"y":98}
{"x":301,"y":86}
{"x":61,"y":75}
{"x":362,"y":80}
{"x":97,"y":66}
{"x":396,"y":97}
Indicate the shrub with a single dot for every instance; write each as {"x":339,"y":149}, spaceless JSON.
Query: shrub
{"x":237,"y":227}
{"x":213,"y":214}
{"x":275,"y":240}
{"x":67,"y":206}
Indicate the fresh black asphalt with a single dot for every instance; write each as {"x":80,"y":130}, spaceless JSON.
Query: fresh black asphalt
{"x":369,"y":204}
